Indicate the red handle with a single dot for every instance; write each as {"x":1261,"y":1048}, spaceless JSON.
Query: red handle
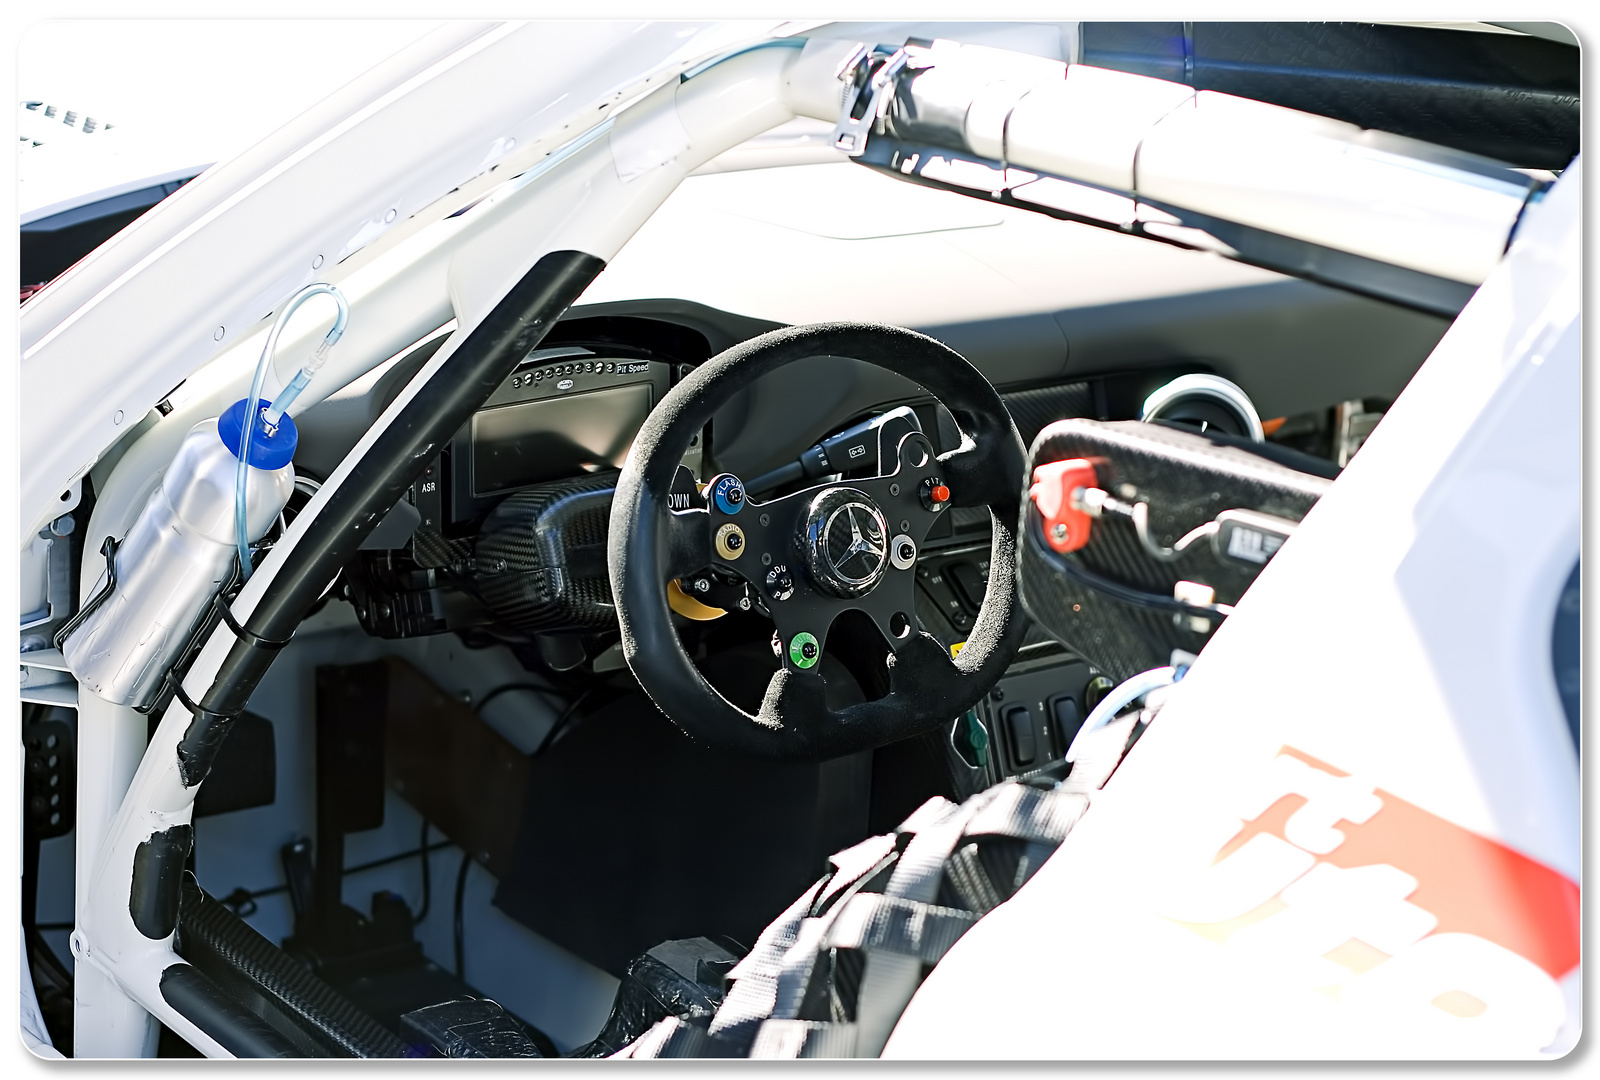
{"x":1065,"y":528}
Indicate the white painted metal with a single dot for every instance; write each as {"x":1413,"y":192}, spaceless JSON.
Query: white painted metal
{"x":1383,"y":197}
{"x":106,"y":1022}
{"x":111,"y":742}
{"x":142,"y":119}
{"x":1051,"y":40}
{"x":1086,"y":126}
{"x":1380,"y":196}
{"x":65,"y":694}
{"x":1403,"y":636}
{"x":116,"y":1012}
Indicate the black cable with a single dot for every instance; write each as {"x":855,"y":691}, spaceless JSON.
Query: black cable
{"x":562,"y":721}
{"x":460,"y":929}
{"x":402,"y":856}
{"x":532,"y":688}
{"x":239,"y":897}
{"x":1078,"y":573}
{"x":427,"y":883}
{"x":242,"y":901}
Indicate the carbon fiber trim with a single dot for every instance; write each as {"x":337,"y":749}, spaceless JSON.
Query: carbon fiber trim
{"x":432,"y":550}
{"x":541,"y":557}
{"x":320,"y":1021}
{"x":1034,"y":410}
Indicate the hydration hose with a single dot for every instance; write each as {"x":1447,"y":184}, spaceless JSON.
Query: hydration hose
{"x":272,"y":416}
{"x":1124,"y":695}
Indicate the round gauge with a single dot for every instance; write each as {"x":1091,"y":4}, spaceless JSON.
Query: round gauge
{"x":1207,"y":402}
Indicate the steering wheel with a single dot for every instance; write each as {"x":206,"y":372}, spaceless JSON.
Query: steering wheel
{"x":818,"y":552}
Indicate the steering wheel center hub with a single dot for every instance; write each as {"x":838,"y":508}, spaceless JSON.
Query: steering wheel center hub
{"x":844,"y":541}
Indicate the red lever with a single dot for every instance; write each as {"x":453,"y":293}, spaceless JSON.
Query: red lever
{"x":1065,"y":528}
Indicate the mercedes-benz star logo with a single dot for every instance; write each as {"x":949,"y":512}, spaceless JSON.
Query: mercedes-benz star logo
{"x":855,"y":555}
{"x":844,"y":542}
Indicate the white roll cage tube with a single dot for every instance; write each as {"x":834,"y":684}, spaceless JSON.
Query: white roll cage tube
{"x":591,"y":198}
{"x":1196,"y":168}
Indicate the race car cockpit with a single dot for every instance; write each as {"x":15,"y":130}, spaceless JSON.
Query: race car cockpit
{"x":790,"y":472}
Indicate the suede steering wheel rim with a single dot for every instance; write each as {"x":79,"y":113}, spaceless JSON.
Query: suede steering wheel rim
{"x":649,"y":544}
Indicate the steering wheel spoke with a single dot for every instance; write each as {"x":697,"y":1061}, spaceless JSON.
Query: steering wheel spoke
{"x":750,"y":539}
{"x":894,"y":611}
{"x":685,"y":543}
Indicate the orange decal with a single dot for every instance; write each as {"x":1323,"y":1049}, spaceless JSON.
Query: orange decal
{"x":1472,"y":884}
{"x":1410,"y":923}
{"x":1272,"y":822}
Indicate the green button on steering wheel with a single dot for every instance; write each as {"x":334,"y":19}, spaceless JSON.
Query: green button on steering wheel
{"x":803,"y":650}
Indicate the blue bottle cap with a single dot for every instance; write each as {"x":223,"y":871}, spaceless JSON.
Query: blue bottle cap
{"x":270,"y":452}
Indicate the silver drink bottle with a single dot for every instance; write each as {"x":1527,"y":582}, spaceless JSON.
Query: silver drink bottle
{"x":177,"y":556}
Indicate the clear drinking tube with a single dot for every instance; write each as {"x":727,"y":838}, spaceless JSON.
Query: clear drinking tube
{"x":271,"y":417}
{"x":1126,"y":692}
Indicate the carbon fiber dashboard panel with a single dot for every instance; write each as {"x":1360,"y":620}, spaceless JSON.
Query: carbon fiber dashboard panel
{"x":1032,"y":410}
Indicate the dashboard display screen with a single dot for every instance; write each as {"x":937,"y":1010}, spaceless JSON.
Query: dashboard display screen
{"x":521,"y":444}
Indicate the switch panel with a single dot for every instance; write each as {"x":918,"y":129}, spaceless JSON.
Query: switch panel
{"x":1033,"y":713}
{"x":1066,"y":717}
{"x":1018,"y":723}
